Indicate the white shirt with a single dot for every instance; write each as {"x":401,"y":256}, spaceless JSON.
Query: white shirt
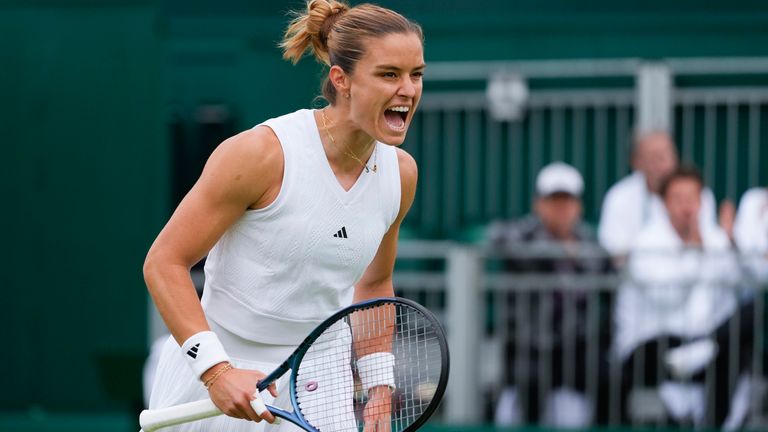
{"x":674,"y":290}
{"x":750,"y":231}
{"x":629,"y":205}
{"x":281,"y":270}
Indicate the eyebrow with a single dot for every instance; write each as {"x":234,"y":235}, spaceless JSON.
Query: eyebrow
{"x":391,"y":67}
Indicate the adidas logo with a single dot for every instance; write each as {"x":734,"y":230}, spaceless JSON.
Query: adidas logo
{"x":342,"y":233}
{"x":193,"y":351}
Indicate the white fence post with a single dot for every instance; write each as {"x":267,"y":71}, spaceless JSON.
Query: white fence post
{"x":654,"y":98}
{"x":464,"y":398}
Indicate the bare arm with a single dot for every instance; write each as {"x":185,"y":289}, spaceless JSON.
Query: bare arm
{"x":374,"y":334}
{"x":241,"y":173}
{"x":244,"y":172}
{"x":377,"y":279}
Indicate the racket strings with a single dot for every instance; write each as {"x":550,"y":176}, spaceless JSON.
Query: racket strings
{"x":329,"y":392}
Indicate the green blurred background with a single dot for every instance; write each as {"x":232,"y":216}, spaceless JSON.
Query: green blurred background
{"x":109,"y":108}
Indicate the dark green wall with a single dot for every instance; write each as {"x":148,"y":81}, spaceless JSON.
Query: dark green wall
{"x":86,"y":88}
{"x":226,"y":53}
{"x":82,"y":134}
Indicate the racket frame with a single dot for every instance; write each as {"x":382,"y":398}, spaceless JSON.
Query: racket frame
{"x":294,"y":360}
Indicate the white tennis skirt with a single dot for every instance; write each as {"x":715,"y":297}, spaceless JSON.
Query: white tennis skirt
{"x":175,"y":384}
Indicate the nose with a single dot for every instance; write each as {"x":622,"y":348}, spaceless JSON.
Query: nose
{"x":407,"y":88}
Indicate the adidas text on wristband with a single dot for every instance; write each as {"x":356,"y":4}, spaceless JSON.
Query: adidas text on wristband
{"x":203,"y":350}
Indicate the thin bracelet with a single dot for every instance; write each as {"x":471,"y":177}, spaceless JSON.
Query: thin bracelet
{"x":216,"y":375}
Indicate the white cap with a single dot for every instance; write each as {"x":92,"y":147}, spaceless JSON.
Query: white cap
{"x":559,"y":177}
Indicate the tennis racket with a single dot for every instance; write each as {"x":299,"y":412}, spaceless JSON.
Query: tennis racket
{"x":379,"y":365}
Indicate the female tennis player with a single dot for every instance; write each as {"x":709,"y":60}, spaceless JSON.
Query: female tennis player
{"x":298,"y":217}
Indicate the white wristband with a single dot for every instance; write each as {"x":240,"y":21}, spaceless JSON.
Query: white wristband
{"x":203,"y":350}
{"x":376,"y":369}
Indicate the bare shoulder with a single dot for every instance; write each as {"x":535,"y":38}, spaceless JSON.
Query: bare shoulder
{"x":408,"y":169}
{"x":247,"y":165}
{"x":408,"y":177}
{"x":258,"y":146}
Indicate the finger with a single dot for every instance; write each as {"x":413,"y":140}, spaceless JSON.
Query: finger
{"x":371,"y":425}
{"x":229,"y":409}
{"x":272,"y":388}
{"x":236,"y":412}
{"x":250,"y":413}
{"x":258,"y":406}
{"x":382,"y":425}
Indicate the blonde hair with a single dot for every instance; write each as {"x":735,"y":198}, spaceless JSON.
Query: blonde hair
{"x":337,"y":34}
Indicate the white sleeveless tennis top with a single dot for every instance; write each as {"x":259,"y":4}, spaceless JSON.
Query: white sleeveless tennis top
{"x":281,"y":270}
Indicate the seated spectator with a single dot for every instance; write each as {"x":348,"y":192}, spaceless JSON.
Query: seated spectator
{"x":673,"y":311}
{"x":547,"y":327}
{"x":634,"y":201}
{"x":750,"y":232}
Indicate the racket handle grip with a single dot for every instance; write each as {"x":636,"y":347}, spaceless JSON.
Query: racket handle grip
{"x":152,"y":420}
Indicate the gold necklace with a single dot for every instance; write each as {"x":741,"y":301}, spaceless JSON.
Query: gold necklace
{"x":346,"y":150}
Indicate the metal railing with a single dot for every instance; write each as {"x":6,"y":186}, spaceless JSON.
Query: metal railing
{"x":474,"y":167}
{"x":482,"y":306}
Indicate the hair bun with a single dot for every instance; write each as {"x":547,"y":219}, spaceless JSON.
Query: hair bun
{"x":313,"y":28}
{"x":322,"y":14}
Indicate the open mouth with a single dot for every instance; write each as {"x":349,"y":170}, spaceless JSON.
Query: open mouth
{"x":395,"y":117}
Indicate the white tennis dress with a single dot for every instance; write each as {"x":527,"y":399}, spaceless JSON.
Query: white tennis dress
{"x":280,"y":271}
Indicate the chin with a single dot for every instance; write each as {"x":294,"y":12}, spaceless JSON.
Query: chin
{"x":397,"y":142}
{"x":392,"y":138}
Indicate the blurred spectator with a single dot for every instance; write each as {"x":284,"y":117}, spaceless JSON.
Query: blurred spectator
{"x":750,"y":232}
{"x":548,"y":326}
{"x":634,"y":201}
{"x":672,"y":312}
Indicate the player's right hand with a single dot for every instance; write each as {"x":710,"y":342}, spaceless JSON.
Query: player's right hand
{"x":378,"y":410}
{"x":234,"y":390}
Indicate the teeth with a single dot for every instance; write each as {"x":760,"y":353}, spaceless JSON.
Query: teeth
{"x":399,"y":108}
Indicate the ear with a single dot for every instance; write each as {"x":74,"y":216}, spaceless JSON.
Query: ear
{"x":339,"y":79}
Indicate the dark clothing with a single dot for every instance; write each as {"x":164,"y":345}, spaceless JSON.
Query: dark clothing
{"x":646,"y":367}
{"x":557,"y":329}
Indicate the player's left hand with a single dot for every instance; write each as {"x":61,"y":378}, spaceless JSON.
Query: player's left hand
{"x":378,"y":410}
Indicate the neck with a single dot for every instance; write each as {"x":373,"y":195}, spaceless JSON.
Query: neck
{"x":557,"y":231}
{"x":688,"y":234}
{"x":346,"y":133}
{"x":346,"y":145}
{"x":651,"y":187}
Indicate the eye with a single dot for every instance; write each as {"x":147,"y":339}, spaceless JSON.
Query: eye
{"x":419,"y":74}
{"x":389,"y":75}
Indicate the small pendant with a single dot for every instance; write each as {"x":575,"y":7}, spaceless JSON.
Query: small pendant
{"x":374,"y":167}
{"x":367,"y":170}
